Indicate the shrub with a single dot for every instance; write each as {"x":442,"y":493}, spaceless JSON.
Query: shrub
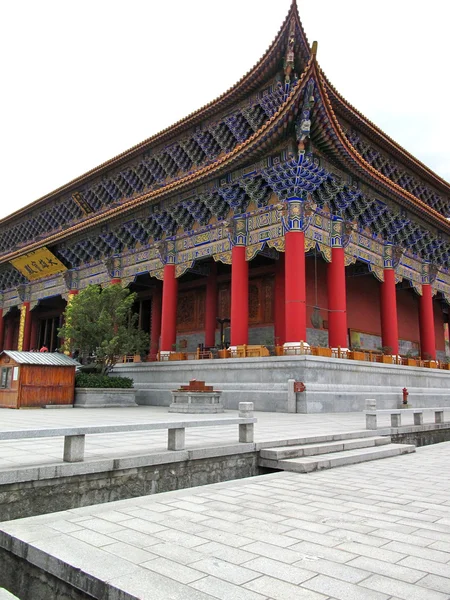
{"x":92,"y":380}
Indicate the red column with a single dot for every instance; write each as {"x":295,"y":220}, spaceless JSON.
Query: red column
{"x":426,"y":318}
{"x":295,"y":287}
{"x":337,"y":300}
{"x":9,"y":338}
{"x":27,"y":328}
{"x":280,"y":302}
{"x":169,"y":309}
{"x":239,"y":297}
{"x":2,"y":329}
{"x":155,"y":326}
{"x":211,"y":307}
{"x":34,"y":334}
{"x":388,"y":304}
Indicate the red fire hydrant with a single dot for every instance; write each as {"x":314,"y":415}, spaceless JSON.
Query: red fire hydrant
{"x":405,"y":395}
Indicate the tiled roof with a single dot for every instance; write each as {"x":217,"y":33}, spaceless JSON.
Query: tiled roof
{"x":254,"y":77}
{"x":40,"y":358}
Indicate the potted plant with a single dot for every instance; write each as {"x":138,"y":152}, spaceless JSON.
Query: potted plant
{"x":224,"y":353}
{"x":99,"y":324}
{"x":356,"y":353}
{"x":410,"y":360}
{"x":428,"y":361}
{"x":269,"y":343}
{"x":176,"y":353}
{"x":321,"y":350}
{"x":386,"y":355}
{"x":445,"y":363}
{"x":279,"y":350}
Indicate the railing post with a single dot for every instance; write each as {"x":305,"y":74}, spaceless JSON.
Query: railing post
{"x":396,"y":419}
{"x":438,"y":416}
{"x":176,"y":439}
{"x":371,"y":413}
{"x":418,"y":418}
{"x":73,"y":448}
{"x":246,"y":431}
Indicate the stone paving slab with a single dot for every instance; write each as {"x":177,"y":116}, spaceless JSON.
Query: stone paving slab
{"x":372,"y":531}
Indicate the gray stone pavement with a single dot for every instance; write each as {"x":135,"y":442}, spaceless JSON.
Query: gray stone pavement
{"x":372,"y":531}
{"x":20,"y":454}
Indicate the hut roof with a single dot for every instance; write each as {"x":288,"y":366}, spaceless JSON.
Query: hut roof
{"x":40,"y":358}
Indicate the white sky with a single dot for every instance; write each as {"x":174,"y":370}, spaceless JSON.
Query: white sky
{"x":83,"y":81}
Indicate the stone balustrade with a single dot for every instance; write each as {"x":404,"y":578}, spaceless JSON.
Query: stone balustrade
{"x":372,"y":414}
{"x":74,"y":437}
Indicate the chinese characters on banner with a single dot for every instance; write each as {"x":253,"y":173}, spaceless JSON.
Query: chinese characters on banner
{"x":38,"y":264}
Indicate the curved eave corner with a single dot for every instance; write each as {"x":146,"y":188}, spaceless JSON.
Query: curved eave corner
{"x":251,"y":78}
{"x":410,"y":161}
{"x":242,"y":152}
{"x":370,"y":172}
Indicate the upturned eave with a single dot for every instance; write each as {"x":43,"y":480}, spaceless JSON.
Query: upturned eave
{"x":254,"y":78}
{"x":344,"y":152}
{"x":344,"y":108}
{"x":266,"y":136}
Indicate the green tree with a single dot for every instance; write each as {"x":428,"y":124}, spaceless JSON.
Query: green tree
{"x":101,"y":322}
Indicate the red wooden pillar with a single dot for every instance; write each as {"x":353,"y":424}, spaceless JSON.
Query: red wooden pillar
{"x":388,"y":303}
{"x":295,"y":286}
{"x":169,"y":309}
{"x":9,"y":337}
{"x":155,"y":326}
{"x":34,"y":334}
{"x":426,"y":318}
{"x":337,"y":299}
{"x":239,"y":296}
{"x":280,"y":302}
{"x":25,"y":318}
{"x":211,"y":307}
{"x":2,"y":329}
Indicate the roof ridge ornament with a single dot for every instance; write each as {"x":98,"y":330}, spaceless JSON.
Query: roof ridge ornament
{"x":289,"y":59}
{"x":303,"y":125}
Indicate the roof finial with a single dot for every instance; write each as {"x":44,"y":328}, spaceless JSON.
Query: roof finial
{"x":315,"y":45}
{"x":289,"y":58}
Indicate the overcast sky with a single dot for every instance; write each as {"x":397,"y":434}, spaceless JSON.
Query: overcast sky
{"x":83,"y":81}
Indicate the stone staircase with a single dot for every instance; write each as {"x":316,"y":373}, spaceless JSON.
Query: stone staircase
{"x":317,"y":453}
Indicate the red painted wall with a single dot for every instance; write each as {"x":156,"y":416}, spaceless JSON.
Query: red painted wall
{"x":322,"y":296}
{"x":408,"y":314}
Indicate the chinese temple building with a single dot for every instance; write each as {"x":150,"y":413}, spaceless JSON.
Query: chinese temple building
{"x":278,"y":207}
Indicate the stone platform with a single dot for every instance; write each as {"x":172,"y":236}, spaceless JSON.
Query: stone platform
{"x":196,"y":398}
{"x":331,"y":385}
{"x":376,"y":531}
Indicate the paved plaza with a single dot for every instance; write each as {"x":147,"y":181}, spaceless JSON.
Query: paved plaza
{"x":374,"y":531}
{"x":270,"y":427}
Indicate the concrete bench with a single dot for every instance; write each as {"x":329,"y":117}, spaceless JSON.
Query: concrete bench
{"x":74,"y":437}
{"x":396,"y":415}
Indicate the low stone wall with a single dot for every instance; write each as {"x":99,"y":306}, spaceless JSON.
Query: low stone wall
{"x":332,"y":385}
{"x":104,"y":397}
{"x":36,"y":583}
{"x":107,"y":481}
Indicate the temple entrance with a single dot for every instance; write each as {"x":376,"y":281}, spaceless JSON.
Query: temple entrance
{"x":47,"y":318}
{"x":11,"y":333}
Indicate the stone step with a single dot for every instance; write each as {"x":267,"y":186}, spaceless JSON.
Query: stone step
{"x":308,"y":464}
{"x":323,"y":438}
{"x":301,"y":450}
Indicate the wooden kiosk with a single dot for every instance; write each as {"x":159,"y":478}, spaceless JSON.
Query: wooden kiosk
{"x":36,"y":379}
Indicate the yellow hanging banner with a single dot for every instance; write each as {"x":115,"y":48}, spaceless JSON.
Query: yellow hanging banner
{"x":38,"y":264}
